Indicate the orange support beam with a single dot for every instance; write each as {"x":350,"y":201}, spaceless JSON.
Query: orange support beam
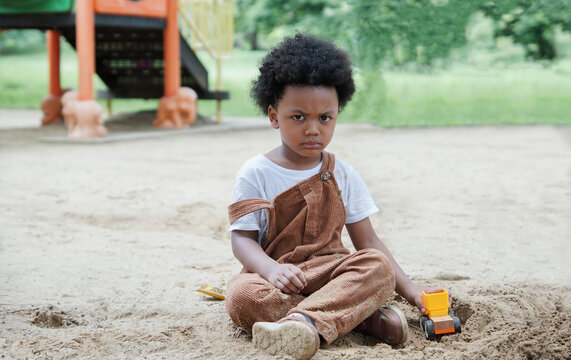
{"x":172,"y":50}
{"x":150,"y":8}
{"x":85,"y":45}
{"x":52,"y":38}
{"x":51,"y":104}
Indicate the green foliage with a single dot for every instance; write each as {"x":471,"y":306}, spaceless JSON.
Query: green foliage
{"x":374,"y":30}
{"x":264,"y":16}
{"x":406,"y":31}
{"x":274,"y":14}
{"x":531,"y":23}
{"x":21,"y":41}
{"x":399,"y":32}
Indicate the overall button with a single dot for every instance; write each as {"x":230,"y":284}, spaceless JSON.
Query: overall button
{"x":325,"y":176}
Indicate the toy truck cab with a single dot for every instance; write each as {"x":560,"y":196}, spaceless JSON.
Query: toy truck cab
{"x":437,"y":320}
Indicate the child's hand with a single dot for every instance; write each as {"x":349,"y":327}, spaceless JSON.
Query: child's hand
{"x":414,"y":296}
{"x":288,"y":278}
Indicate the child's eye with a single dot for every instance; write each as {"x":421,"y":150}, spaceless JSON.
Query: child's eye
{"x":298,"y":117}
{"x":324,"y":118}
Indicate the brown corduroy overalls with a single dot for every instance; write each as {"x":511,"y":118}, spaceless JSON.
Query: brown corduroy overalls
{"x":304,"y":229}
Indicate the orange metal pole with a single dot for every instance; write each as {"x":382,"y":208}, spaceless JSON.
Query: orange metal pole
{"x":85,"y":45}
{"x":172,"y":50}
{"x":52,"y":38}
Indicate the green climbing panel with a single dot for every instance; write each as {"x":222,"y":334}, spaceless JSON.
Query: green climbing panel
{"x":34,"y":6}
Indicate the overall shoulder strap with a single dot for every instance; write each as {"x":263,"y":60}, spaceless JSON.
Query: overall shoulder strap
{"x":246,"y":206}
{"x":328,"y":162}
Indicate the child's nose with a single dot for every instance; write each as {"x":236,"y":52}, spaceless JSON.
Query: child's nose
{"x":312,"y":128}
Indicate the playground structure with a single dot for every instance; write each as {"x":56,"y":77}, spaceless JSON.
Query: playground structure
{"x":139,"y":48}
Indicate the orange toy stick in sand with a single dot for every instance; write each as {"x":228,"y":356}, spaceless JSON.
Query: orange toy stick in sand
{"x":437,"y":320}
{"x":212,"y":291}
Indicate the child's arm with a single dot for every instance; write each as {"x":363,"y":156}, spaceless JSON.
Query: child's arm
{"x":286,"y":277}
{"x":363,"y":236}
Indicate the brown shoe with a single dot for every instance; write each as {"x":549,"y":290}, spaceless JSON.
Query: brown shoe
{"x":387,"y":324}
{"x":289,"y":336}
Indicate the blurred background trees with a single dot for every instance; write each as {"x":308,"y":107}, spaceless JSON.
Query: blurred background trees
{"x":428,"y":62}
{"x":417,"y":62}
{"x":395,"y":32}
{"x":404,"y":31}
{"x":531,"y":23}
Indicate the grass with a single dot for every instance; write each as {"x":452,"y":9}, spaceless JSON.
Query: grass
{"x":461,"y":95}
{"x":521,"y":93}
{"x":237,"y":75}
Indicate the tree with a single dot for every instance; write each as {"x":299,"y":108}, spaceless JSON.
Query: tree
{"x":407,"y":31}
{"x":400,"y":31}
{"x":263,"y":16}
{"x":530,"y":23}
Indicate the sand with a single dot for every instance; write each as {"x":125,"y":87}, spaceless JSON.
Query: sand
{"x":103,"y":244}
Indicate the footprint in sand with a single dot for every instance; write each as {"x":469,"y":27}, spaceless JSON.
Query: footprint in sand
{"x":202,"y":219}
{"x":52,"y":318}
{"x":451,"y":277}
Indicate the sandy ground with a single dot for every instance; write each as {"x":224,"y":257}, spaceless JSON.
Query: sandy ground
{"x":102,"y":245}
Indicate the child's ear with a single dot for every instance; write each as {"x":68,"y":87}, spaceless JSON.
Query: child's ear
{"x":273,"y":115}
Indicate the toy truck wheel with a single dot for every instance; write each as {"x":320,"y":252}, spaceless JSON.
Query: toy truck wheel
{"x":457,"y":327}
{"x":429,"y":330}
{"x":423,"y":319}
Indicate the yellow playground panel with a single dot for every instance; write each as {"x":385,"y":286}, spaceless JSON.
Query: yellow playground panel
{"x":216,"y":37}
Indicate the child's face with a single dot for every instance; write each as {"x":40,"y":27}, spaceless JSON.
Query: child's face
{"x":306,"y":118}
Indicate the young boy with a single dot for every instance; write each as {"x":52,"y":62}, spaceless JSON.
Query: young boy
{"x":300,"y":287}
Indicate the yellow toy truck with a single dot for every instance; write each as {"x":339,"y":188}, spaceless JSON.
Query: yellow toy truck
{"x":437,"y":320}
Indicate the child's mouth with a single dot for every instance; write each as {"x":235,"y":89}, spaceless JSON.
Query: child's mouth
{"x":311,"y":145}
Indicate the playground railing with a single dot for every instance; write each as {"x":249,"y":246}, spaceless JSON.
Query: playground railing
{"x":208,"y":25}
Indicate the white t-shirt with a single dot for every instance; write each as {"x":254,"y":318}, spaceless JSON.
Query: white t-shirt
{"x":259,"y":177}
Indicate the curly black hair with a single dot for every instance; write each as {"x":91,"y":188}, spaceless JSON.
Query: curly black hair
{"x":303,"y":60}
